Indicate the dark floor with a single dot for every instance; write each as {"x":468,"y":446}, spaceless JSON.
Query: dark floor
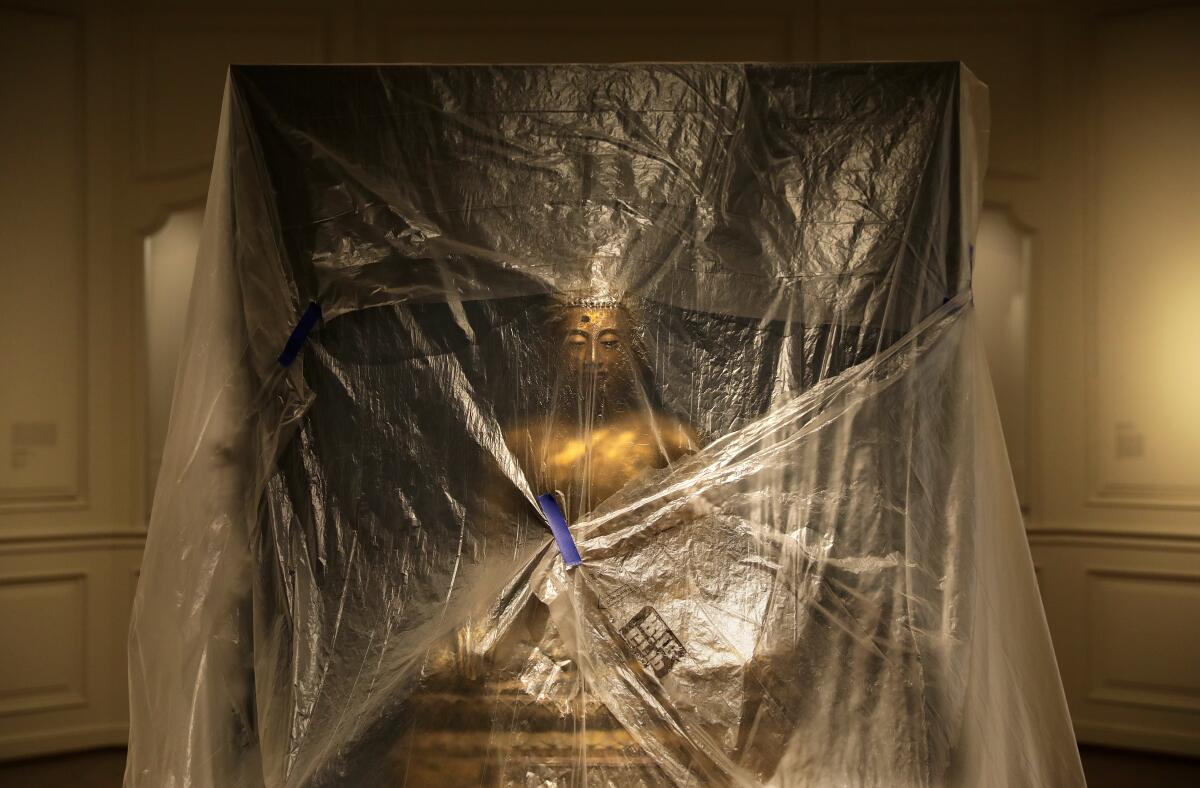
{"x":1105,"y":768}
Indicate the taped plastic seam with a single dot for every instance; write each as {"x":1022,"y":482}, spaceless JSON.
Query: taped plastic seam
{"x":560,"y":529}
{"x":308,"y":320}
{"x":723,"y":311}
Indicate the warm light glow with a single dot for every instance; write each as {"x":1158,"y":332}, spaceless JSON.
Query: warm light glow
{"x":1001,"y":289}
{"x":169,"y":261}
{"x":1147,"y":256}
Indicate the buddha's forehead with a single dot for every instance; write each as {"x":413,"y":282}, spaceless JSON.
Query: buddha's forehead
{"x":596,"y":319}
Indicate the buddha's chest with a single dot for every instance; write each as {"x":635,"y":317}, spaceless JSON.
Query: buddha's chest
{"x":607,"y":457}
{"x":587,"y":466}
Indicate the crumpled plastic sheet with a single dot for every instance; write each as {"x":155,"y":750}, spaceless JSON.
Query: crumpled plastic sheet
{"x":722,"y":312}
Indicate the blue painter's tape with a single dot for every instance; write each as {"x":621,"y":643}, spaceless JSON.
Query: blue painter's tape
{"x":558,"y":526}
{"x":300,"y":333}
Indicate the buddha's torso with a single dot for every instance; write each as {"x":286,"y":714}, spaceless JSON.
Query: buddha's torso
{"x":503,"y":721}
{"x":586,"y":466}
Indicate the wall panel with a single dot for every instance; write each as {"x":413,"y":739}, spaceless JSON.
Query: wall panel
{"x":1125,"y":615}
{"x":1129,"y":608}
{"x":43,"y":352}
{"x":1143,"y":264}
{"x":43,"y":618}
{"x":64,"y":614}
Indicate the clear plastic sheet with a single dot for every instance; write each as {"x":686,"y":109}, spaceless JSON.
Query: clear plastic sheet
{"x":721,"y":312}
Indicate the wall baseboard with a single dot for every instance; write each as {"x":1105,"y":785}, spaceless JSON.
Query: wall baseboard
{"x":1127,"y":737}
{"x":50,"y":742}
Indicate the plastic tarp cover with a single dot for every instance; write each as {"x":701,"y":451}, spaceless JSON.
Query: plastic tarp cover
{"x":720,"y":313}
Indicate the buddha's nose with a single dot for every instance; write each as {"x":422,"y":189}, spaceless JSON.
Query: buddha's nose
{"x":593,"y":364}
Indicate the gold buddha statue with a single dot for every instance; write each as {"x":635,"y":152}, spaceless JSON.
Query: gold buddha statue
{"x":517,"y":715}
{"x":602,"y":429}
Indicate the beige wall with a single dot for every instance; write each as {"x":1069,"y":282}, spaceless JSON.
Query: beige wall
{"x":1094,"y":111}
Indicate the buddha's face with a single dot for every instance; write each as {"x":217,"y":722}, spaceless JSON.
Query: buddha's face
{"x":596,"y":348}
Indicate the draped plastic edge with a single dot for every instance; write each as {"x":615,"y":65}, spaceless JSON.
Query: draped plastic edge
{"x":191,"y":637}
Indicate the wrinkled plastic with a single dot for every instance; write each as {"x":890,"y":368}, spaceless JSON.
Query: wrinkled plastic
{"x":721,"y":312}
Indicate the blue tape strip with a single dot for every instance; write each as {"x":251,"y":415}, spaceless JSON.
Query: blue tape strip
{"x":299,"y":334}
{"x":558,"y":526}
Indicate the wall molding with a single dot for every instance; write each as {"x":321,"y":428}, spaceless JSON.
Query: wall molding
{"x":1122,"y":537}
{"x":1137,"y":496}
{"x":73,"y":542}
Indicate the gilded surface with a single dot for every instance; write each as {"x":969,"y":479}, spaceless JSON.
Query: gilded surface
{"x":519,"y":710}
